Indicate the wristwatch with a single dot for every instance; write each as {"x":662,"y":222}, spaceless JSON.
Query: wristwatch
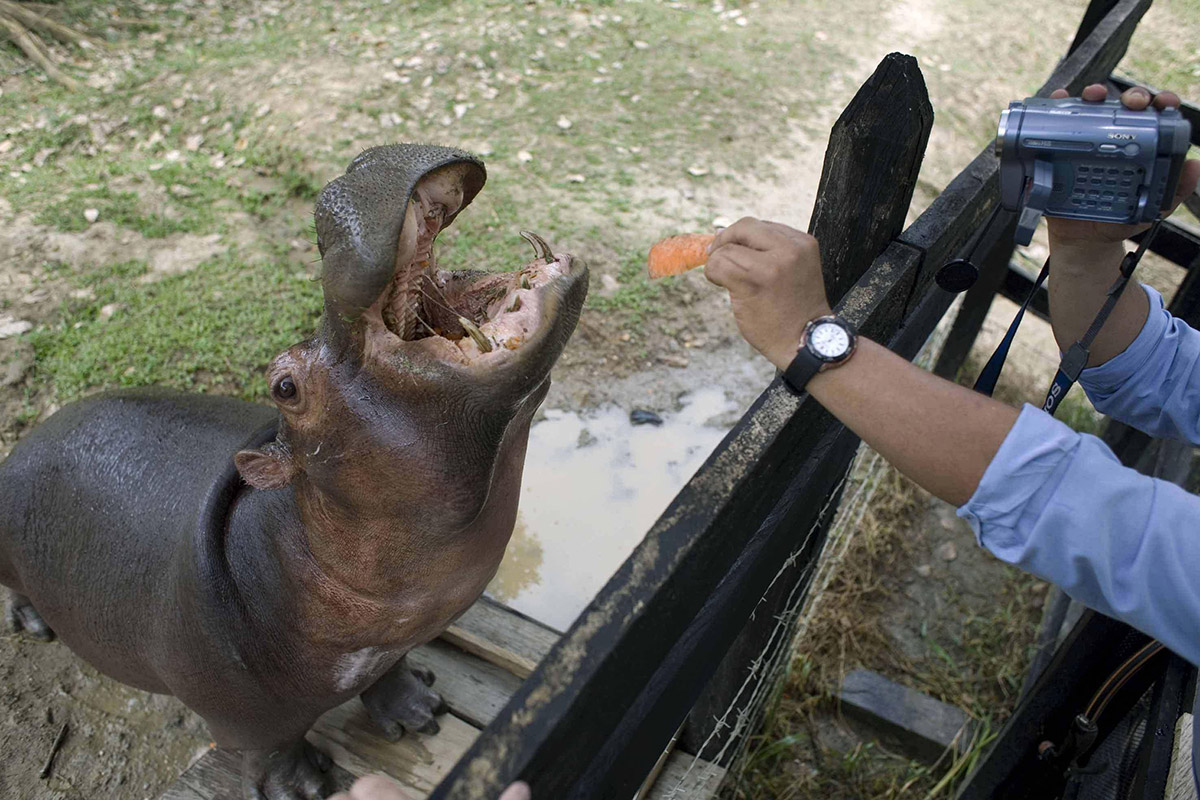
{"x":826,"y":342}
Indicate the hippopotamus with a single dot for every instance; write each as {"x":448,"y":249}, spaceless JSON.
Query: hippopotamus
{"x":265,"y":565}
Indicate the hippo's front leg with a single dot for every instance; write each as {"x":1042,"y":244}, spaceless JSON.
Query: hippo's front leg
{"x":401,"y":700}
{"x":294,"y":772}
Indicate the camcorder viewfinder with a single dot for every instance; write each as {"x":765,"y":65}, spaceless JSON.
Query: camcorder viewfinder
{"x":1084,"y":160}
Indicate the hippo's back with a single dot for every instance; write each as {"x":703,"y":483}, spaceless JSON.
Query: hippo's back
{"x":96,"y":502}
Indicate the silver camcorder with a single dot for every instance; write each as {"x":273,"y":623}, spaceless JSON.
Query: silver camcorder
{"x":1083,"y":160}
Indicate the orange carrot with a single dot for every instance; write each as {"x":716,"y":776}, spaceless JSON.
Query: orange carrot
{"x":677,"y":254}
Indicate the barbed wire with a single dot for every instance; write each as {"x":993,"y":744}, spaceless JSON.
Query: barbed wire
{"x":774,"y":658}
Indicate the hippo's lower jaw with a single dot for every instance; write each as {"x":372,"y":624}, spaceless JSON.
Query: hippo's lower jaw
{"x":471,"y":318}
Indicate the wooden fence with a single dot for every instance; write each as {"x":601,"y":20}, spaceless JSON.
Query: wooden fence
{"x":682,"y":621}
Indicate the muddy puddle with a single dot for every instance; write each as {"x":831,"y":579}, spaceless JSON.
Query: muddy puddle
{"x":594,"y":484}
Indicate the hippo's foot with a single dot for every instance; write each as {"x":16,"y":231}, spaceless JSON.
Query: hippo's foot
{"x":22,"y":616}
{"x":294,"y":772}
{"x":401,"y":700}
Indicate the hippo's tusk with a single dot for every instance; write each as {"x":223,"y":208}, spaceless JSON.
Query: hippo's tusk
{"x":540,"y":248}
{"x":475,"y":334}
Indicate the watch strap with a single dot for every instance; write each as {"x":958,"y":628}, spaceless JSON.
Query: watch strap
{"x":802,"y":369}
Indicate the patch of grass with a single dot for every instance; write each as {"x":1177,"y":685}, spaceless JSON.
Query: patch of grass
{"x":121,"y":208}
{"x":215,"y":327}
{"x":977,"y":665}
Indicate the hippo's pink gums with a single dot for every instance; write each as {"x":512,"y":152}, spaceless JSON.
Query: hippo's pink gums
{"x":266,"y":565}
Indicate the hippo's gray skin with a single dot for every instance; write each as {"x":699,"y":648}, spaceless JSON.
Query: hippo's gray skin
{"x":371,"y":509}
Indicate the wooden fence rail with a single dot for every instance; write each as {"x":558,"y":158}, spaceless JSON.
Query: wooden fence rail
{"x":595,"y":715}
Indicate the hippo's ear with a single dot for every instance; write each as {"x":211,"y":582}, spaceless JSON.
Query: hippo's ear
{"x":269,"y":467}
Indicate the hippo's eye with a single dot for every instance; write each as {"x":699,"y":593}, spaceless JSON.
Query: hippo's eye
{"x":285,"y":389}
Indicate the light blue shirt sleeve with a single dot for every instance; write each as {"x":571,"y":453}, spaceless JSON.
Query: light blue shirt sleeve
{"x":1154,"y":385}
{"x":1060,"y":505}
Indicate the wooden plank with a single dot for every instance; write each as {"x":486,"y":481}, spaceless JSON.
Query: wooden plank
{"x":502,"y":636}
{"x":909,"y":721}
{"x":1095,"y":11}
{"x":871,"y":164}
{"x":974,"y":310}
{"x":418,"y":761}
{"x":474,"y":689}
{"x":600,"y":706}
{"x":681,"y":779}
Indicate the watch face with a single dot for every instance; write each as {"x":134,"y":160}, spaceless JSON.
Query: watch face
{"x":829,"y":340}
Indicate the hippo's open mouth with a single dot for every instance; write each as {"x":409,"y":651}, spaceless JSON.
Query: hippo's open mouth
{"x":467,"y":317}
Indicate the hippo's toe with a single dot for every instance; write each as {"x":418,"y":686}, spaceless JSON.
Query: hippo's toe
{"x":22,"y":616}
{"x":296,"y":772}
{"x":401,"y":700}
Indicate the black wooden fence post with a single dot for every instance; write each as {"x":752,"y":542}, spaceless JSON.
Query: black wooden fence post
{"x":975,"y":306}
{"x":871,"y":165}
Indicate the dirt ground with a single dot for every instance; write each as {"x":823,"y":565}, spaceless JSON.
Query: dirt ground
{"x":603,"y":186}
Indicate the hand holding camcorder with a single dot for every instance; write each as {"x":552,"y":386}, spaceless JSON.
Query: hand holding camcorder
{"x":1099,"y":161}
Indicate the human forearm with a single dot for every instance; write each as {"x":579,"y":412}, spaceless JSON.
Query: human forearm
{"x":939,"y":434}
{"x":1080,"y":276}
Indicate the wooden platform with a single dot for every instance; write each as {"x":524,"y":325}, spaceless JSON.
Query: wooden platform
{"x":479,"y":663}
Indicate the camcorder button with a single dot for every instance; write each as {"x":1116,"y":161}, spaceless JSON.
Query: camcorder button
{"x":1132,"y":149}
{"x":1108,"y":148}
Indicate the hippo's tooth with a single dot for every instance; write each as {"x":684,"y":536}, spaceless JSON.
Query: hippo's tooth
{"x":540,"y":248}
{"x":475,"y":334}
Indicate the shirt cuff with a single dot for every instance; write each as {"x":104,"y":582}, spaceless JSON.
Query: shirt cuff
{"x":1103,"y":380}
{"x":1024,"y":473}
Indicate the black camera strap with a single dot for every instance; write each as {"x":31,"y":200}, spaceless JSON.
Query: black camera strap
{"x":1077,"y":355}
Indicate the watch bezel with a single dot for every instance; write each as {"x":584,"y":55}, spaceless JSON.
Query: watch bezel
{"x":830,"y":319}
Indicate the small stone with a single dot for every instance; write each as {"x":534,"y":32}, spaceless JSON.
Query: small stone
{"x":13,"y":327}
{"x":697,"y":171}
{"x":946,"y":551}
{"x":179,"y":190}
{"x":178,"y":102}
{"x":82,"y":294}
{"x":679,"y":362}
{"x":459,"y":110}
{"x":91,"y":214}
{"x":564,"y":124}
{"x":576,"y":178}
{"x":625,"y":337}
{"x":6,"y":145}
{"x":741,"y":21}
{"x":1039,"y":587}
{"x":173,"y":155}
{"x":262,"y":110}
{"x":640,"y":45}
{"x":193,"y":142}
{"x":608,"y":283}
{"x":159,"y":112}
{"x":241,"y":144}
{"x":924,"y":570}
{"x":524,"y":156}
{"x":485,"y":149}
{"x":106,"y":312}
{"x":821,"y":36}
{"x":949,"y":523}
{"x":643,"y":416}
